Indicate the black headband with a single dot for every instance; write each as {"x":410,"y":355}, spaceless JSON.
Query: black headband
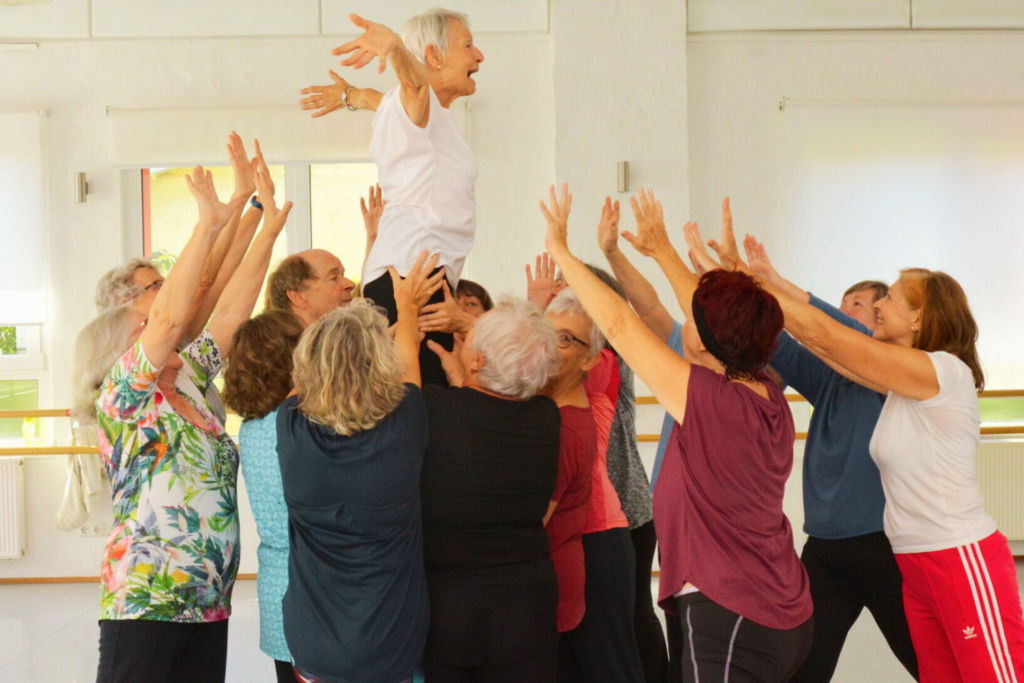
{"x":707,"y":337}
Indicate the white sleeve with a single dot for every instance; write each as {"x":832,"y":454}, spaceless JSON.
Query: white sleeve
{"x":951,"y":373}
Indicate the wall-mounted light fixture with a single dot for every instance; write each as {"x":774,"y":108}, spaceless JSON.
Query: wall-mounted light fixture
{"x":81,"y":188}
{"x":623,"y":176}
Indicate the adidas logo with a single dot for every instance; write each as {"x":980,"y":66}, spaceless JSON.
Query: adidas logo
{"x":969,"y":633}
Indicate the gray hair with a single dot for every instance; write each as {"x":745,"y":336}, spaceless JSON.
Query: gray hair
{"x":117,"y":287}
{"x":98,"y":347}
{"x":430,"y":28}
{"x":567,"y":303}
{"x":519,"y":347}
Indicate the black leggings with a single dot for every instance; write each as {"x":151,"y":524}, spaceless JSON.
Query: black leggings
{"x":162,"y":651}
{"x":650,"y":639}
{"x":382,"y":292}
{"x":846,"y":576}
{"x":602,"y":649}
{"x":720,"y":645}
{"x":500,"y":634}
{"x":285,"y":671}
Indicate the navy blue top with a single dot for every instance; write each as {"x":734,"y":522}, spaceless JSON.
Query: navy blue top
{"x":356,"y":609}
{"x":843,"y":494}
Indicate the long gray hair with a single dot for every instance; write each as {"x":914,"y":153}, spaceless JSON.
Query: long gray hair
{"x":98,"y":347}
{"x":117,"y":287}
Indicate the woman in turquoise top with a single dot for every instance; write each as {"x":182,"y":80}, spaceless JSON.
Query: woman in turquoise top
{"x":257,"y":380}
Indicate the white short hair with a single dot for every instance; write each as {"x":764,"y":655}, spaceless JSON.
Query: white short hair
{"x":118,"y":287}
{"x":519,"y":347}
{"x":430,"y":28}
{"x":567,"y":303}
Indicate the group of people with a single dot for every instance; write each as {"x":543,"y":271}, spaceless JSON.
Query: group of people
{"x":449,"y":487}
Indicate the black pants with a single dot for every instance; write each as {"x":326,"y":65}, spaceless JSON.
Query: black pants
{"x":846,"y":576}
{"x":285,"y":671}
{"x":500,"y":634}
{"x":602,"y":649}
{"x":142,"y":651}
{"x":382,"y":292}
{"x":650,"y":639}
{"x":720,"y":645}
{"x":674,"y":631}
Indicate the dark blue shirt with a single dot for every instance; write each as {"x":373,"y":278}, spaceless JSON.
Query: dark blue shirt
{"x":356,"y":609}
{"x":843,"y":494}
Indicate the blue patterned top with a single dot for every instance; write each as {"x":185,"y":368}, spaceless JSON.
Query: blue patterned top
{"x":262,"y":473}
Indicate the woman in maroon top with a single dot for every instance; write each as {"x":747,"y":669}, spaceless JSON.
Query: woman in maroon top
{"x":728,"y":564}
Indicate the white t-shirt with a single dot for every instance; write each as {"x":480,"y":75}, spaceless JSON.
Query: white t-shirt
{"x":926,"y":453}
{"x":428,"y":178}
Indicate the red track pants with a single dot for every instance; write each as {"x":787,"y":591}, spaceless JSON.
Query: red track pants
{"x":964,"y":612}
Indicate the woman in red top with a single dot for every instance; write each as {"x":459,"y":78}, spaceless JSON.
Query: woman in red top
{"x":595,"y":611}
{"x":728,"y":565}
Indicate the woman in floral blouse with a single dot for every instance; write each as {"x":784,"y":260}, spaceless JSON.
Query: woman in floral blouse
{"x":171,"y":559}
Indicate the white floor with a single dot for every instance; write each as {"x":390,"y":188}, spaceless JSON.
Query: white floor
{"x":49,"y":634}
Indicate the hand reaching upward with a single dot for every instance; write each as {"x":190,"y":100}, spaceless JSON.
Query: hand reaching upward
{"x":699,"y":256}
{"x":245,"y":183}
{"x":373,"y":209}
{"x":557,"y":216}
{"x":608,"y":228}
{"x":543,"y":288}
{"x":651,"y":238}
{"x":212,"y":212}
{"x":728,"y":252}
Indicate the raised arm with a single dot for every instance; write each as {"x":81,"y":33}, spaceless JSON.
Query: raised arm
{"x":641,"y":295}
{"x":653,"y":361}
{"x":372,"y":210}
{"x":876,"y":365}
{"x":173,"y":306}
{"x":407,"y":301}
{"x":542,"y":288}
{"x":240,"y":295}
{"x":381,"y":42}
{"x":328,"y":98}
{"x":233,"y":241}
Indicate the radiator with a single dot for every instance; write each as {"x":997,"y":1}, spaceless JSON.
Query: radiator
{"x":12,"y":508}
{"x":1001,"y":475}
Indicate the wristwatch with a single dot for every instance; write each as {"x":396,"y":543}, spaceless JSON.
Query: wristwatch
{"x":252,"y":200}
{"x":344,"y":98}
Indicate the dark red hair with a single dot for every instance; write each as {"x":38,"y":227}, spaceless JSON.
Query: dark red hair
{"x":744,"y":319}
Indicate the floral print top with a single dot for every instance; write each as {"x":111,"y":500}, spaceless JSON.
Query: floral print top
{"x":173,"y":552}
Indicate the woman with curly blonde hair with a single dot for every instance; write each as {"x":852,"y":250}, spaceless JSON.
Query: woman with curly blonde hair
{"x":350,"y":444}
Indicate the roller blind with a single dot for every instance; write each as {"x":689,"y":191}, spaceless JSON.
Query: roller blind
{"x":146,"y":138}
{"x":21,"y":224}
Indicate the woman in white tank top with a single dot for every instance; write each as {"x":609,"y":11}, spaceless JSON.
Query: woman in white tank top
{"x":427,"y":171}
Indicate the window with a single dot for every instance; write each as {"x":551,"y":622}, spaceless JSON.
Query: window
{"x":1001,"y":411}
{"x":19,"y":394}
{"x":336,"y":219}
{"x":21,"y":348}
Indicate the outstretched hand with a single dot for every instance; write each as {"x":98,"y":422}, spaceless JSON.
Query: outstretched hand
{"x":728,"y":252}
{"x":699,"y":256}
{"x":377,"y":41}
{"x":608,"y":228}
{"x":326,"y":98}
{"x":557,"y":217}
{"x":651,"y":238}
{"x":274,"y":218}
{"x":760,"y":264}
{"x":245,"y":182}
{"x":212,"y":212}
{"x":543,"y":287}
{"x":421,"y":283}
{"x":372,"y":209}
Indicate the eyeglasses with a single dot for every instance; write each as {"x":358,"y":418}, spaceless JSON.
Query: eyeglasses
{"x":567,"y":339}
{"x":155,"y":285}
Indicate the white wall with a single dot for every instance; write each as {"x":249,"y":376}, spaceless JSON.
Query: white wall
{"x":620,"y":95}
{"x":741,"y":143}
{"x":512,"y":136}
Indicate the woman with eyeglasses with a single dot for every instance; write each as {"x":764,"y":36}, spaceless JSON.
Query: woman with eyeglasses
{"x":489,"y":474}
{"x":596,"y":577}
